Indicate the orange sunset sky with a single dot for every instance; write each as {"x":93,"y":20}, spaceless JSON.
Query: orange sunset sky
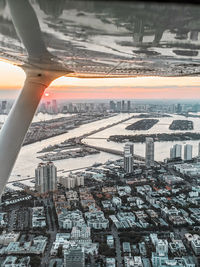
{"x":12,"y":78}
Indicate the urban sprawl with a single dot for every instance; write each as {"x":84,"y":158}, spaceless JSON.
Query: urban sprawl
{"x":132,"y":211}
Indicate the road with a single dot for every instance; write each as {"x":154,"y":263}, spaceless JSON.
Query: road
{"x":48,"y":203}
{"x":117,"y":246}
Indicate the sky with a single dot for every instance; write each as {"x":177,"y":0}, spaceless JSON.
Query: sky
{"x":12,"y":78}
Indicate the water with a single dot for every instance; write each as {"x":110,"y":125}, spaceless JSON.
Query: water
{"x":161,"y":148}
{"x":39,"y":117}
{"x":27,"y":160}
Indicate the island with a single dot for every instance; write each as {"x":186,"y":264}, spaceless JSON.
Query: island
{"x":181,"y":125}
{"x":42,"y":130}
{"x":141,"y":125}
{"x":152,"y":115}
{"x":68,"y":149}
{"x":162,"y":137}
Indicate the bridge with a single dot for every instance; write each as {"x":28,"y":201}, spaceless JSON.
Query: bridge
{"x":116,"y":152}
{"x":102,"y":138}
{"x":79,"y":140}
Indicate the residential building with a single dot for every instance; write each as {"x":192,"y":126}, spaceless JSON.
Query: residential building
{"x":96,"y":220}
{"x":149,"y":156}
{"x":38,"y":217}
{"x":128,"y":157}
{"x":176,"y":151}
{"x":199,"y":150}
{"x":6,"y":238}
{"x":71,"y":181}
{"x":128,"y":163}
{"x":14,"y":261}
{"x":110,"y":262}
{"x":187,"y":152}
{"x":195,"y":243}
{"x":117,"y":202}
{"x":74,"y":257}
{"x":46,"y":178}
{"x":110,"y":241}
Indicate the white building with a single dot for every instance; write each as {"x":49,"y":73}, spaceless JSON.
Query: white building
{"x":117,"y":201}
{"x":161,"y":254}
{"x":46,"y":178}
{"x":80,"y":181}
{"x":128,"y":157}
{"x":149,"y":156}
{"x":110,"y":241}
{"x":195,"y":243}
{"x":129,"y":148}
{"x":71,"y":181}
{"x":6,"y":238}
{"x":67,"y":182}
{"x":162,"y":247}
{"x":96,"y":220}
{"x":187,"y":152}
{"x":80,"y":233}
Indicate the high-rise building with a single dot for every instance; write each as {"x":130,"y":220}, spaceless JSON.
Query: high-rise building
{"x":112,"y":106}
{"x":129,"y":148}
{"x":176,"y":151}
{"x":128,"y":163}
{"x":46,"y":178}
{"x":129,"y":105}
{"x":67,"y":182}
{"x":48,"y":107}
{"x":71,"y":181}
{"x":199,"y":150}
{"x":42,"y":108}
{"x":4,"y":106}
{"x":123,"y":105}
{"x":128,"y":157}
{"x":179,"y":108}
{"x":149,"y":157}
{"x":74,"y":257}
{"x":80,"y":181}
{"x":54,"y":106}
{"x":187,"y":152}
{"x":119,"y":106}
{"x":71,"y":108}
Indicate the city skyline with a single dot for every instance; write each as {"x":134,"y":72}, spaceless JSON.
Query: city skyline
{"x":102,"y":88}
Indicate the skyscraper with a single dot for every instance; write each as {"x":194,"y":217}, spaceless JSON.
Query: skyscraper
{"x":46,"y":178}
{"x":4,"y":106}
{"x":187,"y":152}
{"x":199,"y":150}
{"x":74,"y":257}
{"x":123,"y":105}
{"x":54,"y":106}
{"x":48,"y":107}
{"x":112,"y":105}
{"x":129,"y":105}
{"x":129,"y":148}
{"x":119,"y":106}
{"x":128,"y":157}
{"x":128,"y":163}
{"x":176,"y":151}
{"x":149,"y":157}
